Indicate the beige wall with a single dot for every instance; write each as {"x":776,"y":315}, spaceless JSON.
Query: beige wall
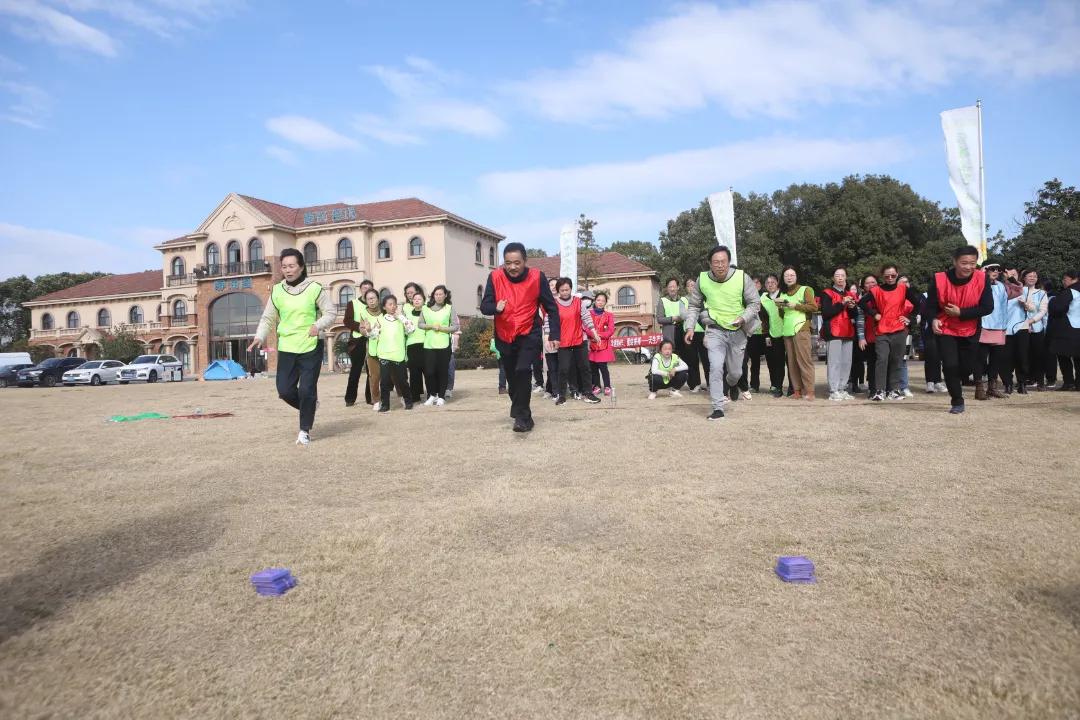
{"x":189,"y":254}
{"x":233,"y":222}
{"x":401,"y":269}
{"x":463,"y":274}
{"x":88,"y":311}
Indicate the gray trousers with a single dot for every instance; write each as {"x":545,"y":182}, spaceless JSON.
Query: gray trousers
{"x":890,"y":353}
{"x":839,"y":363}
{"x":726,"y":349}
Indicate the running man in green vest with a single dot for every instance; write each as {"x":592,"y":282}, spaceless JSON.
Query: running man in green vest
{"x":726,"y":304}
{"x":299,"y":310}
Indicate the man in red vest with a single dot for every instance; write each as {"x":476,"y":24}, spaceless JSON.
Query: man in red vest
{"x":956,"y":299}
{"x":893,"y":307}
{"x":514,"y":294}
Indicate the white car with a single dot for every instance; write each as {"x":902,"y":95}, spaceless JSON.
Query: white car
{"x":152,"y":368}
{"x":93,"y":372}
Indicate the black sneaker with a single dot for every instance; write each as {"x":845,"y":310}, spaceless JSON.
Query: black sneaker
{"x":384,"y":409}
{"x":956,"y":409}
{"x":409,"y":406}
{"x":590,"y":398}
{"x":522,"y":426}
{"x":350,"y":404}
{"x":717,"y":415}
{"x":561,"y":400}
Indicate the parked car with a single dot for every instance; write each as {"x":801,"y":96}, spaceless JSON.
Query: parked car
{"x":48,"y":372}
{"x":152,"y":368}
{"x":9,"y":373}
{"x":94,"y":372}
{"x":15,"y":358}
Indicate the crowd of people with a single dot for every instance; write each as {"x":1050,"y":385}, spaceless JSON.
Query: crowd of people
{"x":1000,"y":330}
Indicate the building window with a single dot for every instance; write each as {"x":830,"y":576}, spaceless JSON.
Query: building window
{"x":232,"y":256}
{"x":344,"y":249}
{"x":135,"y":315}
{"x":177,"y":266}
{"x":491,"y":256}
{"x":73,"y":352}
{"x":345,"y":296}
{"x":479,"y":254}
{"x":479,"y":294}
{"x":103,"y":318}
{"x":341,"y":352}
{"x":311,"y":253}
{"x":213,"y":257}
{"x":416,"y":247}
{"x":183,"y":354}
{"x":46,"y":322}
{"x":384,"y":293}
{"x":73,"y":320}
{"x":383,"y":250}
{"x":180,"y":310}
{"x":627,"y":296}
{"x":235,"y":315}
{"x":255,"y":250}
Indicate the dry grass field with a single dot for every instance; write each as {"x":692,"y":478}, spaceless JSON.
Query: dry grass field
{"x":615,"y":563}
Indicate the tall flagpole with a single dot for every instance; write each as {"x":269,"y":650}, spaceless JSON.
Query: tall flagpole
{"x":982,"y":187}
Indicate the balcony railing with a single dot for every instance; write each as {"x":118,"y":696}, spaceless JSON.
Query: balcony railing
{"x":327,"y":266}
{"x":251,"y":267}
{"x":180,"y":280}
{"x":635,"y":308}
{"x":185,"y":320}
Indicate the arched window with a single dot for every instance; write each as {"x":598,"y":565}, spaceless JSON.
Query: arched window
{"x":255,"y":250}
{"x":183,"y":354}
{"x":479,"y":294}
{"x":383,"y":292}
{"x":627,"y":331}
{"x":479,"y":253}
{"x":232,"y":256}
{"x":73,"y":319}
{"x":179,"y":310}
{"x":311,"y":253}
{"x":73,"y":352}
{"x":177,"y":266}
{"x":627,"y":296}
{"x":345,"y":296}
{"x":103,"y":318}
{"x":416,"y":247}
{"x":383,"y":250}
{"x":344,"y":249}
{"x":213,"y":257}
{"x":491,"y":256}
{"x":46,"y":322}
{"x":135,"y":314}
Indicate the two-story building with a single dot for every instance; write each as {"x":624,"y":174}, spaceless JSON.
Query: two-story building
{"x":205,"y":302}
{"x":634,"y":288}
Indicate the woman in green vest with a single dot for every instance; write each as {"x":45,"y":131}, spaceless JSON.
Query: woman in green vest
{"x":369,"y":313}
{"x":668,"y":371}
{"x":414,"y":342}
{"x":393,"y":330}
{"x":797,"y":305}
{"x":439,"y":321}
{"x":357,"y":346}
{"x":299,"y":310}
{"x":775,"y":354}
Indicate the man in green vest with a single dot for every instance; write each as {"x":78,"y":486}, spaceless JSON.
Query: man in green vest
{"x":726,"y":303}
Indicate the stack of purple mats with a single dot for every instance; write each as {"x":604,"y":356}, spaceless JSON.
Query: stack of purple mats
{"x":273,"y":581}
{"x":795,"y":569}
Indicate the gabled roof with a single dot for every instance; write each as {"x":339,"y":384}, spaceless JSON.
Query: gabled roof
{"x":138,"y":283}
{"x":606,"y":263}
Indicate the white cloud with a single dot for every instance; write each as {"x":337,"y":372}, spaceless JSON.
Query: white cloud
{"x":770,"y":58}
{"x":423,"y":100}
{"x":310,"y":134}
{"x":33,"y":251}
{"x":164,"y":18}
{"x":36,"y":21}
{"x":614,"y":223}
{"x":380,"y":129}
{"x":433,"y":195}
{"x":282,"y":155}
{"x":702,"y":170}
{"x":29,"y":105}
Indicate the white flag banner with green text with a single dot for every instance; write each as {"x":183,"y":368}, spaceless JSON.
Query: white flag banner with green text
{"x":568,"y":252}
{"x":722,"y":205}
{"x":962,"y":154}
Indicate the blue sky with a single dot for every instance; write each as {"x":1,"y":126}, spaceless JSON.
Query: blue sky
{"x":124,"y":122}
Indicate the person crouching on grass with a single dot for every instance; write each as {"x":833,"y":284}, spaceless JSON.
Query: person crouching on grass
{"x":393,"y":329}
{"x":668,"y":371}
{"x":576,"y":321}
{"x":299,"y":309}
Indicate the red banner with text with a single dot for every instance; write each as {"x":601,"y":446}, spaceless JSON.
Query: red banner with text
{"x":624,"y":342}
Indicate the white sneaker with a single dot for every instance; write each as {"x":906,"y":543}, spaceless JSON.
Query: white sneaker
{"x":931,"y":387}
{"x":303,"y":439}
{"x":907,"y":393}
{"x":845,"y":395}
{"x":538,"y":389}
{"x":449,"y":393}
{"x":835,"y":396}
{"x":439,"y":402}
{"x":942,"y":387}
{"x":652,"y":396}
{"x":674,"y":393}
{"x":375,"y":407}
{"x":894,"y":395}
{"x":745,"y":395}
{"x":430,"y":401}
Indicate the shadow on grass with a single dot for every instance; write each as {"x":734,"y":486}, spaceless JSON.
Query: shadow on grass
{"x":79,"y":569}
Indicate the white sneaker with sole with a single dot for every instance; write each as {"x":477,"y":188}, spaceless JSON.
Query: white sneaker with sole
{"x":430,"y":401}
{"x":835,"y":396}
{"x":942,"y":387}
{"x":303,"y":439}
{"x":931,"y":388}
{"x":675,"y":393}
{"x":652,"y":396}
{"x":907,"y":393}
{"x":745,"y":395}
{"x":439,"y":402}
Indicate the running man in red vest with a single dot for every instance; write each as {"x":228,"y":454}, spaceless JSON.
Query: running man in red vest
{"x":893,"y":307}
{"x":514,"y":294}
{"x":956,"y":299}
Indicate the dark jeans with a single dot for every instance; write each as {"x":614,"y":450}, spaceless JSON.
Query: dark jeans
{"x":298,"y":382}
{"x":601,"y":378}
{"x":702,"y":356}
{"x":932,"y":356}
{"x":502,"y":375}
{"x":691,"y":355}
{"x":538,"y":370}
{"x":392,"y":374}
{"x":776,"y":359}
{"x":755,"y":348}
{"x":1070,"y":369}
{"x":1017,"y":360}
{"x":870,"y":354}
{"x":677,"y":381}
{"x":574,"y":359}
{"x":1050,"y":361}
{"x":989,"y":361}
{"x":890,"y":352}
{"x":358,"y":359}
{"x":437,"y":370}
{"x":958,"y":357}
{"x":517,"y":359}
{"x":858,"y":365}
{"x":552,"y":386}
{"x":415,"y":358}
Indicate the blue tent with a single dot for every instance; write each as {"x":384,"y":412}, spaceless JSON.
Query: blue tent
{"x":224,"y":370}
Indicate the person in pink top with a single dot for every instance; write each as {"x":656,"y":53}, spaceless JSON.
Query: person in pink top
{"x":600,"y":353}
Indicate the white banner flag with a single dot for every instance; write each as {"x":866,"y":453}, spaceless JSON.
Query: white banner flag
{"x":963,"y":154}
{"x":723,"y":217}
{"x":568,"y":252}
